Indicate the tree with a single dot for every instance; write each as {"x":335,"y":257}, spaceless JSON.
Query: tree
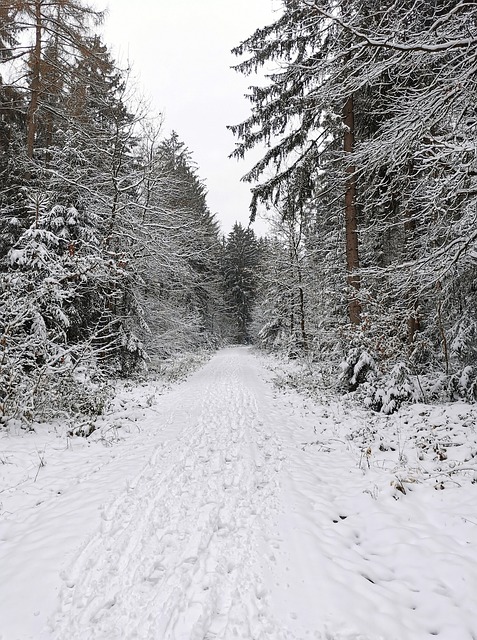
{"x":45,"y":335}
{"x":415,"y":164}
{"x":58,"y":29}
{"x":53,"y":35}
{"x":178,"y":250}
{"x":296,"y":116}
{"x":240,"y":266}
{"x":107,"y":239}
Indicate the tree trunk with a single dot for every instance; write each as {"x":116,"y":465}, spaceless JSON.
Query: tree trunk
{"x":413,"y":320}
{"x":304,"y":338}
{"x":35,"y":82}
{"x":351,"y":226}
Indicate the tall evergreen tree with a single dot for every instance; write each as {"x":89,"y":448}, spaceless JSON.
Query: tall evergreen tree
{"x":240,"y":268}
{"x":306,"y":118}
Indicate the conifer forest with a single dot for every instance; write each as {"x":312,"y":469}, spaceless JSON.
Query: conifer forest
{"x":212,"y":433}
{"x":111,"y":259}
{"x":369,"y":123}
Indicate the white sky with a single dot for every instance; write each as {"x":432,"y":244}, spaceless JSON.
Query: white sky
{"x":180,"y":50}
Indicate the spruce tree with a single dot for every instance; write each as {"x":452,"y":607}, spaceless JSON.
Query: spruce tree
{"x":240,"y":269}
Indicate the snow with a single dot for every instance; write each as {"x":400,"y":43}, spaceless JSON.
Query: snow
{"x":229,"y":506}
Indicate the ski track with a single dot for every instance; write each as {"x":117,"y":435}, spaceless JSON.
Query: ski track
{"x":239,"y":512}
{"x":178,"y":556}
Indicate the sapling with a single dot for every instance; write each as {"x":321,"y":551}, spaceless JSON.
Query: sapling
{"x":41,"y":464}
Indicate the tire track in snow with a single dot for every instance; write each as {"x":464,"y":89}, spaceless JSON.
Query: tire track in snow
{"x":178,"y":556}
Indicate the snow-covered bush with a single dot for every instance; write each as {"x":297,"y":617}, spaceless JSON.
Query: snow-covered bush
{"x":131,"y":352}
{"x":358,"y":367}
{"x":57,"y":292}
{"x":463,"y":339}
{"x":181,"y":365}
{"x":271,"y":335}
{"x":392,"y":390}
{"x":463,"y":385}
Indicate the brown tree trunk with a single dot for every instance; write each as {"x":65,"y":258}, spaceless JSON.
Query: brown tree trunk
{"x":351,"y":225}
{"x":35,"y":82}
{"x":413,"y":325}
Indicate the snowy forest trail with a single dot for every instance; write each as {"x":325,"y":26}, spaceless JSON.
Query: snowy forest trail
{"x":234,"y":512}
{"x":174,"y":556}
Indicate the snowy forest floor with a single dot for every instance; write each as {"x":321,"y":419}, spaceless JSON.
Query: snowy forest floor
{"x":229,"y":506}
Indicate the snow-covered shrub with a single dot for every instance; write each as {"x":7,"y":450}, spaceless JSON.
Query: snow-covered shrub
{"x":182,"y":364}
{"x":58,"y":292}
{"x":463,"y":385}
{"x":275,"y":336}
{"x":271,"y":335}
{"x":463,"y":339}
{"x":37,"y":376}
{"x":131,"y":352}
{"x":358,"y":367}
{"x":393,"y":390}
{"x":87,"y":398}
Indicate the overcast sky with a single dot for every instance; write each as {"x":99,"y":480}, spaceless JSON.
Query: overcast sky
{"x":180,"y":49}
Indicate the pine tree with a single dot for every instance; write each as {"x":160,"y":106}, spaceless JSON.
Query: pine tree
{"x":58,"y":33}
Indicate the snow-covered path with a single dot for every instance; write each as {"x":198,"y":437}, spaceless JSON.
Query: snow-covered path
{"x":177,"y":556}
{"x":235,"y":512}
